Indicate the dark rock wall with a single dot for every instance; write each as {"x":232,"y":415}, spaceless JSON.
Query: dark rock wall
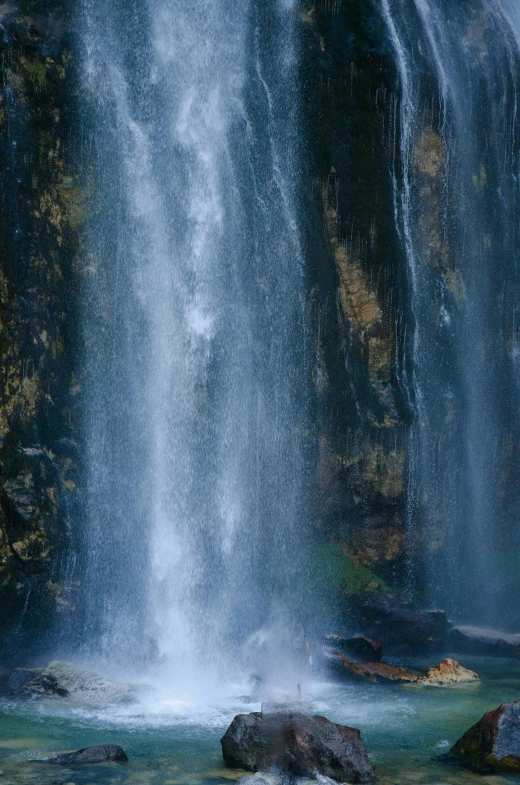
{"x":357,"y":294}
{"x":357,"y":288}
{"x":43,"y":207}
{"x":358,"y":306}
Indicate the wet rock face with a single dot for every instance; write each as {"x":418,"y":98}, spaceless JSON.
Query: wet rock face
{"x":42,"y":203}
{"x":300,"y":744}
{"x":493,"y":743}
{"x":356,"y":292}
{"x":396,"y":622}
{"x":98,"y":754}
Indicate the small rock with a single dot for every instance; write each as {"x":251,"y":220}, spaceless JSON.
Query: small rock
{"x":97,"y":754}
{"x":493,"y":743}
{"x":375,"y":672}
{"x":477,"y":640}
{"x":448,"y":673}
{"x":303,"y":745}
{"x":360,"y":647}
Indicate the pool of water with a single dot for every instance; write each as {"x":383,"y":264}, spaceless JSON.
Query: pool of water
{"x":407,"y":730}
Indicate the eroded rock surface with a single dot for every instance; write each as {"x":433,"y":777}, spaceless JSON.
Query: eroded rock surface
{"x":448,"y":673}
{"x":301,"y":744}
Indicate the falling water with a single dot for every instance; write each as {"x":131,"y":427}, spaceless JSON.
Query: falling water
{"x":457,"y":210}
{"x":194,"y":336}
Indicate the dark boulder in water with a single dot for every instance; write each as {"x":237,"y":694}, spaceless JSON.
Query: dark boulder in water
{"x":300,"y":744}
{"x":493,"y":743}
{"x":396,"y":623}
{"x":97,"y":754}
{"x":478,"y":640}
{"x":375,"y":672}
{"x":360,"y":647}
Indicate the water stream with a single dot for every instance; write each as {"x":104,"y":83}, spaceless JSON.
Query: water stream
{"x":194,"y":339}
{"x":457,"y":210}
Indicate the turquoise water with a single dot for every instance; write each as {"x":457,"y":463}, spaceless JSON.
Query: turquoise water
{"x":407,"y":731}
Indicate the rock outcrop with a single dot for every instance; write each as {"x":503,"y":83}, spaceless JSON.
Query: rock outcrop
{"x":448,"y":673}
{"x":43,"y":200}
{"x":300,"y":744}
{"x":493,"y":743}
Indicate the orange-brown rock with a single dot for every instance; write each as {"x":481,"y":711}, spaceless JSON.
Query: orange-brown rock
{"x":374,"y":672}
{"x":448,"y":673}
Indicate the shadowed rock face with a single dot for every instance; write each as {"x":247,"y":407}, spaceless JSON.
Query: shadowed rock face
{"x":43,"y":205}
{"x":493,"y":743}
{"x":302,"y":745}
{"x":475,"y":640}
{"x":396,"y":622}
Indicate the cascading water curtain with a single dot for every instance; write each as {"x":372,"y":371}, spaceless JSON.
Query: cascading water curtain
{"x":194,"y":335}
{"x":457,"y":210}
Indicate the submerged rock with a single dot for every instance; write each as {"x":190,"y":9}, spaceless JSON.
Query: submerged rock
{"x":375,"y":672}
{"x":360,"y":647}
{"x":493,"y":743}
{"x":64,"y":679}
{"x":477,"y":640}
{"x":304,"y":745}
{"x":98,"y":754}
{"x":448,"y":673}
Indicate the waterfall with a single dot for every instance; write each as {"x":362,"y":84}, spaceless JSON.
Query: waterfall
{"x":457,"y":210}
{"x":194,"y":336}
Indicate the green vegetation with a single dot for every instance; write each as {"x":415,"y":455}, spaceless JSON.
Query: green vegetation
{"x":335,"y":571}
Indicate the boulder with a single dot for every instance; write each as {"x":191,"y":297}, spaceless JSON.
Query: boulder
{"x":477,"y":640}
{"x":35,"y":681}
{"x":396,"y":623}
{"x":493,"y":743}
{"x":360,"y":647}
{"x":448,"y":673}
{"x":61,"y":679}
{"x":299,"y":744}
{"x":374,"y":672}
{"x":98,"y":754}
